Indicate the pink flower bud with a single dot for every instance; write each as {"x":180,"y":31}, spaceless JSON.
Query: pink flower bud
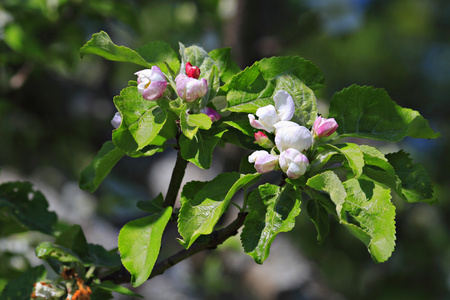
{"x":324,"y":127}
{"x":214,"y":115}
{"x":262,"y":140}
{"x":190,"y":89}
{"x":151,"y":83}
{"x":192,"y":71}
{"x":264,"y":162}
{"x":293,"y":163}
{"x":116,"y":120}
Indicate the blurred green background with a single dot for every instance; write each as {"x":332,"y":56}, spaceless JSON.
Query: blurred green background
{"x":55,"y":112}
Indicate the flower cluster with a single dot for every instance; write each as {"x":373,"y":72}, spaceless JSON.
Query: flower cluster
{"x":291,"y":139}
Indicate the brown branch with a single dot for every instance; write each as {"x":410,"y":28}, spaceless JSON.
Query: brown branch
{"x":175,"y":180}
{"x":215,"y":239}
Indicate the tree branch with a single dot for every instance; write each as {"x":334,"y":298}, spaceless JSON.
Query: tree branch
{"x":215,"y":239}
{"x":175,"y":180}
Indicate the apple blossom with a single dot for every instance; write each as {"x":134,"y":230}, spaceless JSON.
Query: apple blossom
{"x":262,"y":140}
{"x":192,"y":71}
{"x":324,"y":127}
{"x":44,"y":290}
{"x":190,"y":89}
{"x":291,"y":135}
{"x":151,"y":83}
{"x":269,"y":115}
{"x":211,"y":113}
{"x":293,"y":163}
{"x":264,"y":162}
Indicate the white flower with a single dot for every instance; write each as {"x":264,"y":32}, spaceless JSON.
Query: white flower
{"x":291,"y":135}
{"x":151,"y":83}
{"x":44,"y":290}
{"x":264,"y":162}
{"x":293,"y":163}
{"x":270,"y":115}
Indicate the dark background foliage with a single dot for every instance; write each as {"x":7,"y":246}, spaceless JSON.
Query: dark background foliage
{"x":55,"y":112}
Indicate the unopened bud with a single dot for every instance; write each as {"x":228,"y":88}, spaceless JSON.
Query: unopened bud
{"x":262,"y":140}
{"x":192,"y":71}
{"x":211,"y":113}
{"x":324,"y":127}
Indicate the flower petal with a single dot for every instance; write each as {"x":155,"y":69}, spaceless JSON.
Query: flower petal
{"x":284,"y":105}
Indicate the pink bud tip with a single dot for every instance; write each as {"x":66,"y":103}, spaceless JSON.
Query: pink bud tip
{"x":192,"y":71}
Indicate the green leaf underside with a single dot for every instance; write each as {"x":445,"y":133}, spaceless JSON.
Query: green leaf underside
{"x":20,"y":288}
{"x":227,"y":67}
{"x":366,"y":112}
{"x":203,"y":203}
{"x":191,"y":123}
{"x":252,"y":92}
{"x":272,"y":210}
{"x":304,"y":99}
{"x":353,"y":155}
{"x":240,"y":122}
{"x":329,"y":182}
{"x":27,"y":206}
{"x":140,"y":243}
{"x":415,"y":180}
{"x":73,"y":238}
{"x":364,"y":208}
{"x":101,"y":45}
{"x":101,"y":165}
{"x":48,"y":251}
{"x":158,"y":53}
{"x":199,"y":150}
{"x":110,"y":286}
{"x":371,"y":216}
{"x":319,"y":216}
{"x":142,"y":120}
{"x":378,"y":168}
{"x":153,"y":206}
{"x":99,"y":256}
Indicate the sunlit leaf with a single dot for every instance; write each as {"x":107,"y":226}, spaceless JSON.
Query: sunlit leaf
{"x":272,"y":210}
{"x":203,"y":203}
{"x":101,"y":165}
{"x":365,"y":112}
{"x":140,"y":242}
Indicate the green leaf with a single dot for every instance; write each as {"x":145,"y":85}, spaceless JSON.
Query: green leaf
{"x":153,"y":206}
{"x":227,"y":67}
{"x":197,"y":56}
{"x":101,"y":45}
{"x":272,"y":210}
{"x":213,"y":86}
{"x":27,"y":206}
{"x":248,"y":91}
{"x":304,"y":99}
{"x":324,"y":155}
{"x":378,"y":168}
{"x":73,"y":238}
{"x":110,"y":286}
{"x":240,"y":122}
{"x":370,"y":216}
{"x":366,"y":112}
{"x":142,"y":120}
{"x":20,"y":288}
{"x":101,"y":165}
{"x":303,"y":69}
{"x":159,"y":53}
{"x":48,"y":251}
{"x":199,"y":150}
{"x":140,"y":242}
{"x":415,"y":180}
{"x":100,"y":257}
{"x":329,"y":182}
{"x":319,"y":216}
{"x":203,"y":203}
{"x":353,"y":155}
{"x":191,"y":123}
